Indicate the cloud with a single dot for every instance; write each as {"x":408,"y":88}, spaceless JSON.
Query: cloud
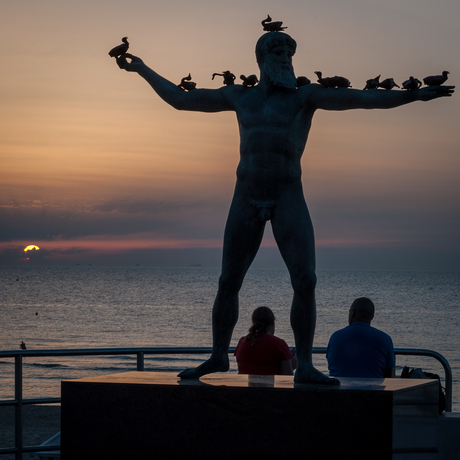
{"x":133,"y":205}
{"x":167,"y":219}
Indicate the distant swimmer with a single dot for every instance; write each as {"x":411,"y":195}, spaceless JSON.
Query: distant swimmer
{"x":23,"y":346}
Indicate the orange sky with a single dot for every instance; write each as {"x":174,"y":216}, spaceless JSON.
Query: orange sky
{"x":90,"y":154}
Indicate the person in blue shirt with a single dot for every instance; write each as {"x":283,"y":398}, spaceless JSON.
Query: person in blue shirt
{"x":360,"y":350}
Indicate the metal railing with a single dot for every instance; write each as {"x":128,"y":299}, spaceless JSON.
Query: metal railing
{"x":18,"y":402}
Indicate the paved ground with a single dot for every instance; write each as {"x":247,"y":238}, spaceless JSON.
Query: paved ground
{"x":39,"y":424}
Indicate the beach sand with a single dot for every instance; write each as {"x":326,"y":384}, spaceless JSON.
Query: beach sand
{"x":40,"y":422}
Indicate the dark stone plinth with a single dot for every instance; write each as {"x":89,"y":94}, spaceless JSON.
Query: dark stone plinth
{"x":147,"y":415}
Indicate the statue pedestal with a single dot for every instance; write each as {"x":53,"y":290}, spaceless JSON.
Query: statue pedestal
{"x":147,"y":415}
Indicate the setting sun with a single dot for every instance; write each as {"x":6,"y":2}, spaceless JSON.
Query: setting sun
{"x":30,"y":247}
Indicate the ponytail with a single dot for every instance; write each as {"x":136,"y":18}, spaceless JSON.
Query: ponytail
{"x":262,"y":319}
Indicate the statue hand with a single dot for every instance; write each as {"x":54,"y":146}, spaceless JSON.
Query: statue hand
{"x":130,"y":66}
{"x":433,"y":92}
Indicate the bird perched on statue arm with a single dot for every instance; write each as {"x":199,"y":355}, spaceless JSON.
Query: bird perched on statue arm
{"x":436,"y":80}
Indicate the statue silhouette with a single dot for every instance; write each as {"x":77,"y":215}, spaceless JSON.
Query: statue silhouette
{"x":274,"y":120}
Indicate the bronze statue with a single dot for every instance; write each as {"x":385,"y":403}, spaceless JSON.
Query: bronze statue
{"x":436,"y":80}
{"x":274,"y":121}
{"x":332,"y":82}
{"x":120,"y":49}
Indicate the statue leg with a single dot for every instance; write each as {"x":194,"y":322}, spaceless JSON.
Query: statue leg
{"x":294,"y":235}
{"x":242,"y":238}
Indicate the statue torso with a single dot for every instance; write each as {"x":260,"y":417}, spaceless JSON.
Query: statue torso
{"x":273,"y":131}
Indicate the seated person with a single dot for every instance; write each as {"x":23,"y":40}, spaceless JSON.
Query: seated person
{"x":360,"y":350}
{"x":260,"y":352}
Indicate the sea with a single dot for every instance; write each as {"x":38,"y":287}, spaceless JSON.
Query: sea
{"x":101,"y":307}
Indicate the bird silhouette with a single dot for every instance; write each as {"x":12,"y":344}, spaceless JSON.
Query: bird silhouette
{"x":250,"y":80}
{"x":436,"y":80}
{"x":388,"y":83}
{"x":372,"y":83}
{"x":187,"y":84}
{"x":229,"y":78}
{"x":120,"y":49}
{"x":302,"y":81}
{"x":270,"y":26}
{"x":332,"y":82}
{"x":412,"y":83}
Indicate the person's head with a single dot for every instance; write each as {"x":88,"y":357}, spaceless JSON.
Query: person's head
{"x":362,"y":309}
{"x":274,"y":51}
{"x":263,"y":322}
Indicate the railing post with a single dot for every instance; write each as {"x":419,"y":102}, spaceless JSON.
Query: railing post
{"x":448,"y":374}
{"x":18,"y":406}
{"x":140,"y":361}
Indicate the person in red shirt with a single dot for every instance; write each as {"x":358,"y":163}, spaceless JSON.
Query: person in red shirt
{"x":261,"y":352}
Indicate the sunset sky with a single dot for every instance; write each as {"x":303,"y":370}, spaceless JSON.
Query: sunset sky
{"x":95,"y":168}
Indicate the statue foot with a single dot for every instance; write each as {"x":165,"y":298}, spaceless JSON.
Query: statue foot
{"x":208,"y":367}
{"x":308,"y":374}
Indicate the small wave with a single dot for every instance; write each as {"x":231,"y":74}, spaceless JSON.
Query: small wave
{"x":110,"y":368}
{"x":119,"y":357}
{"x":46,"y":365}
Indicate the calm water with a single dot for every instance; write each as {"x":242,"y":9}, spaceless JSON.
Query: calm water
{"x":86,"y":307}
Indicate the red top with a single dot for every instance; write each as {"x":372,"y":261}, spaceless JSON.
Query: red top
{"x":262,"y":358}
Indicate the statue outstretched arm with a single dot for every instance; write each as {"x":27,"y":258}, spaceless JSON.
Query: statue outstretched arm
{"x":345,"y":98}
{"x":200,"y":100}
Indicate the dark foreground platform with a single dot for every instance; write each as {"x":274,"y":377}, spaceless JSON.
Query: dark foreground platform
{"x":155,"y":415}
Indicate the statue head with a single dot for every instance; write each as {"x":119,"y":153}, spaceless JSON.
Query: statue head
{"x":271,"y":39}
{"x":279,"y":75}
